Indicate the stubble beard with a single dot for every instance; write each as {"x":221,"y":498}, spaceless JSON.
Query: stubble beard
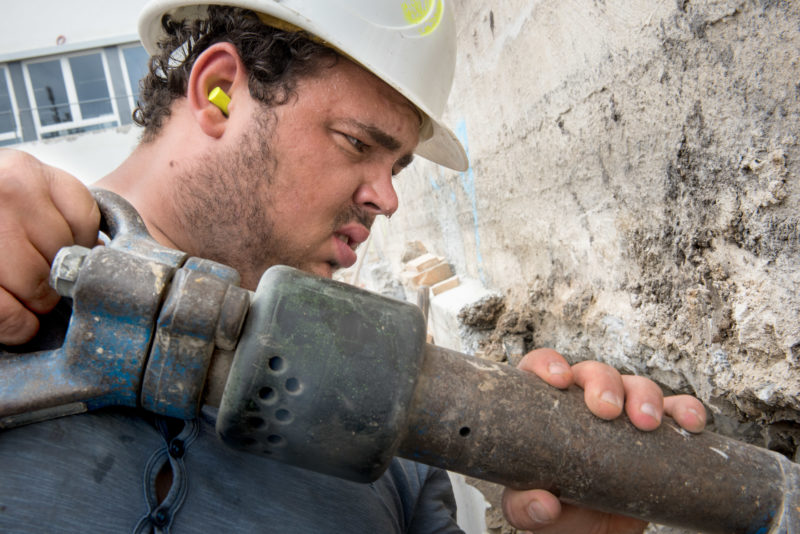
{"x":225,"y":207}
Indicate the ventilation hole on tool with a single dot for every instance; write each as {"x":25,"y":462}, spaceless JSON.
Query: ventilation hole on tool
{"x":293,"y":385}
{"x":284,"y":416}
{"x":267,"y":394}
{"x":276,"y":440}
{"x":276,"y":363}
{"x":464,"y":432}
{"x":255,"y":422}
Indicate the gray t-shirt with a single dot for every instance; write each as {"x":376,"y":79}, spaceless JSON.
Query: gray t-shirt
{"x":96,"y":473}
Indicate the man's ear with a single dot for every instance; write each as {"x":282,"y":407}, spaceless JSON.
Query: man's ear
{"x":218,"y":66}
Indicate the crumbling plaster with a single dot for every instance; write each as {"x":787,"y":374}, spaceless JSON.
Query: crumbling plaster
{"x":633,"y":191}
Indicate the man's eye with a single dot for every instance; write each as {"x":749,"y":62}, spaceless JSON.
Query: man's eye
{"x":357,"y":143}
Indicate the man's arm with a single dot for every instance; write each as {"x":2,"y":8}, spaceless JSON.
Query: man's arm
{"x":606,"y":393}
{"x":41,"y":210}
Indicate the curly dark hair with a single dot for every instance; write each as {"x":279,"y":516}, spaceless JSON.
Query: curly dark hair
{"x":275,"y":60}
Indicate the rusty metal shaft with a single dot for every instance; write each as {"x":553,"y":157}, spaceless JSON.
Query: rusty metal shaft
{"x":496,"y":423}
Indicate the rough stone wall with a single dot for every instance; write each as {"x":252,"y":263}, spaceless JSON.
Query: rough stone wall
{"x":633,"y":192}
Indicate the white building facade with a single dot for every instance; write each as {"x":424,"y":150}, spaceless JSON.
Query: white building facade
{"x":69,"y":75}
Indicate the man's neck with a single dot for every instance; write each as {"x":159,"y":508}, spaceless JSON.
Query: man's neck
{"x":144,"y":180}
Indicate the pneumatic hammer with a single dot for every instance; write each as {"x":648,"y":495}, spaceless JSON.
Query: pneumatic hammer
{"x":328,"y":377}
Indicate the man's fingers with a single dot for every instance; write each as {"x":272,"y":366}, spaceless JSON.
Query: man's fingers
{"x":604,"y":392}
{"x":687,"y":411}
{"x":17,"y":324}
{"x":30,"y":285}
{"x":530,"y":510}
{"x":548,"y":365}
{"x":65,"y":211}
{"x":607,"y":392}
{"x":644,"y":402}
{"x":76,"y":204}
{"x":47,"y":233}
{"x":42,"y":209}
{"x":541,"y":512}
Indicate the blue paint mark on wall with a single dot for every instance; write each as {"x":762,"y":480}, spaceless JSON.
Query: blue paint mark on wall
{"x":468,"y":184}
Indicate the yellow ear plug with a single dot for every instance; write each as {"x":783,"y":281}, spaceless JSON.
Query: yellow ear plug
{"x":218,"y":97}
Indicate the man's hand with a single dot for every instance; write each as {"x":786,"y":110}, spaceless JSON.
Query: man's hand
{"x":606,"y":393}
{"x":41,"y":210}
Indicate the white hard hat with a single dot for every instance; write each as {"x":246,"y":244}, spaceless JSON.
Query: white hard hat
{"x":409,"y":44}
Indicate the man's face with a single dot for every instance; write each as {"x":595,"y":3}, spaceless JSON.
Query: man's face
{"x":300,"y":184}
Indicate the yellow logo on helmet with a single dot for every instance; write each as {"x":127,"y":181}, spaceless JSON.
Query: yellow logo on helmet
{"x":417,"y":11}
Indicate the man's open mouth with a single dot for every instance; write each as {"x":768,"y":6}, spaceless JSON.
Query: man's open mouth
{"x":345,"y":239}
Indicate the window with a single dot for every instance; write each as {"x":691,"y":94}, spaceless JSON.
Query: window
{"x":70,"y":94}
{"x":8,"y":116}
{"x":50,"y":93}
{"x":135,"y":60}
{"x":91,"y":86}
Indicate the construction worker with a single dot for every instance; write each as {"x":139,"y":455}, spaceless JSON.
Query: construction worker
{"x":314,"y":107}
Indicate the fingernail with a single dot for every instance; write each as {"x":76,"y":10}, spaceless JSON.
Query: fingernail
{"x":539,"y":513}
{"x":698,"y":418}
{"x":556,"y":368}
{"x":650,"y":410}
{"x":611,"y":398}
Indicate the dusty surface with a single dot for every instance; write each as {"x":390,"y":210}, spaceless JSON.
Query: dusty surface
{"x":633,"y":193}
{"x":633,"y":190}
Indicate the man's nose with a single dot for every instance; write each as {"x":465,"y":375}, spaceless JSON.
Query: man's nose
{"x":378,"y":195}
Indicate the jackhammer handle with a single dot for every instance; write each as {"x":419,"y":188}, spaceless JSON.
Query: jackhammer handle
{"x":118,"y":217}
{"x":493,"y":422}
{"x":144,"y":321}
{"x":127,"y":230}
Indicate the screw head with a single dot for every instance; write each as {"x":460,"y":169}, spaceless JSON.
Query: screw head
{"x":66,"y":267}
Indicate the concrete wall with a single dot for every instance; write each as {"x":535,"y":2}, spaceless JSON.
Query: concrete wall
{"x":633,"y":192}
